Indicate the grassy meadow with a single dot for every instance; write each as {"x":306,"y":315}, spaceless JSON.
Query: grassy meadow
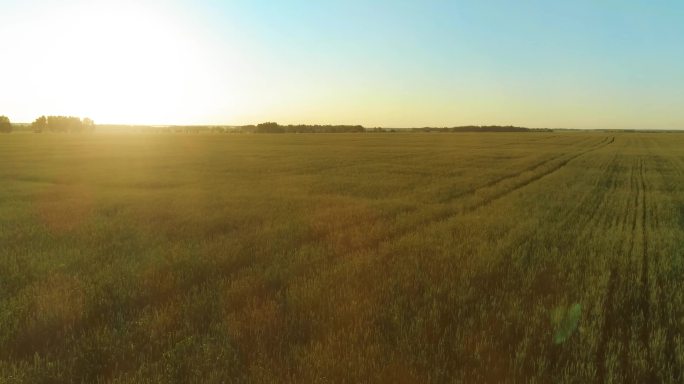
{"x":349,"y":258}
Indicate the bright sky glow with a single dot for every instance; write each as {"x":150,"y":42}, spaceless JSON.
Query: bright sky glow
{"x":575,"y":64}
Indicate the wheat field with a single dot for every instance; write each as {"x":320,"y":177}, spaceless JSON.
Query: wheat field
{"x":346,"y":258}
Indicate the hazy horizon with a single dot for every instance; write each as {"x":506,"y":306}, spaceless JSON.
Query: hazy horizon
{"x":410,"y":64}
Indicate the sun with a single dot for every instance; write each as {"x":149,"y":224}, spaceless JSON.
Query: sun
{"x":121,"y":62}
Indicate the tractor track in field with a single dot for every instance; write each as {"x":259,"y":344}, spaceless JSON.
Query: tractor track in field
{"x":422,"y":157}
{"x":607,"y":141}
{"x":468,"y":209}
{"x":473,"y":190}
{"x":610,"y":319}
{"x":491,"y":183}
{"x":617,"y":319}
{"x":639,"y":300}
{"x":666,"y":293}
{"x":627,"y":310}
{"x":669,"y":316}
{"x":637,"y":266}
{"x":612,"y":322}
{"x":452,"y":197}
{"x":645,"y":297}
{"x":650,"y":264}
{"x":599,"y":217}
{"x":620,"y":314}
{"x":594,"y":201}
{"x":452,"y":211}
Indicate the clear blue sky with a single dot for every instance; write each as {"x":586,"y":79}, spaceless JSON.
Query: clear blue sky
{"x":577,"y":64}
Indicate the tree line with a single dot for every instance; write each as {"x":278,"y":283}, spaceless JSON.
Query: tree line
{"x":271,"y":127}
{"x":5,"y":125}
{"x":62,"y":124}
{"x":474,"y":128}
{"x":58,"y":124}
{"x":76,"y":125}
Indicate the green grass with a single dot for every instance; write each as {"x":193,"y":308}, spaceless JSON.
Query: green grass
{"x":403,"y":258}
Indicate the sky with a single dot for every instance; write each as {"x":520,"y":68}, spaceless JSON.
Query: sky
{"x":558,"y":64}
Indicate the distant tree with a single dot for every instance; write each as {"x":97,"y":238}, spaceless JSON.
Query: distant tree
{"x":39,"y":125}
{"x":88,"y":124}
{"x":72,"y":124}
{"x":56,"y":124}
{"x":269,"y":127}
{"x":5,"y":125}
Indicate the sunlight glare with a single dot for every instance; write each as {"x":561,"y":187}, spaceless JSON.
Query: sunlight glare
{"x":121,"y":62}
